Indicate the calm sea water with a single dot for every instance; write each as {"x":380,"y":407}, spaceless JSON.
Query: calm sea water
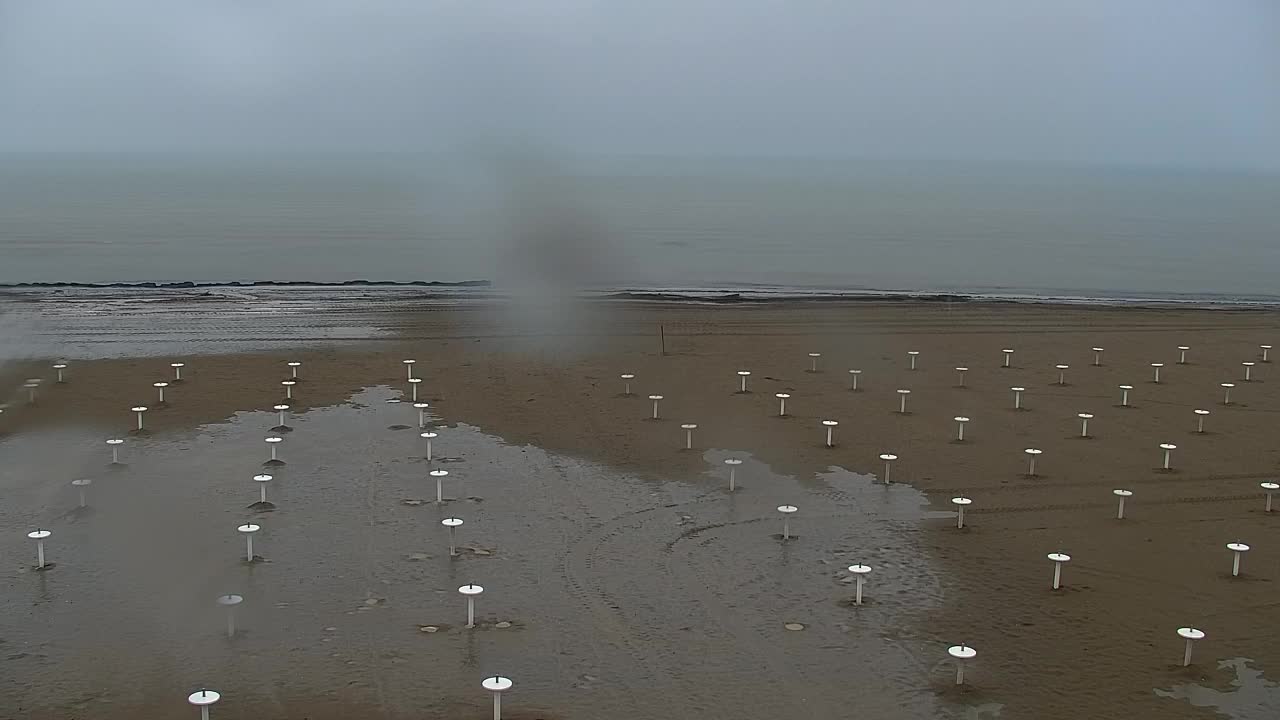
{"x":648,"y":223}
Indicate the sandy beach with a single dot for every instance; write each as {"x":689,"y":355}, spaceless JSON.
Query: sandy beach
{"x":633,"y":584}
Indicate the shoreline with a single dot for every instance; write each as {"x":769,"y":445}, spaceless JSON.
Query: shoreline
{"x":486,"y":290}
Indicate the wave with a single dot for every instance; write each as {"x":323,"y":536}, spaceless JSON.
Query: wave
{"x":256,"y":283}
{"x":726,"y":297}
{"x":1054,"y":297}
{"x":712,"y":295}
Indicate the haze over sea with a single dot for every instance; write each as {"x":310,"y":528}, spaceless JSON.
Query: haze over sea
{"x":791,"y":225}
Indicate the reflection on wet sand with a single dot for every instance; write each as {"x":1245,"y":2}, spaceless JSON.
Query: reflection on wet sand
{"x":604,"y":595}
{"x":1252,"y":696}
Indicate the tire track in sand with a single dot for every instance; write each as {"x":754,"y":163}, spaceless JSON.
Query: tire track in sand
{"x":690,"y":567}
{"x":652,"y":684}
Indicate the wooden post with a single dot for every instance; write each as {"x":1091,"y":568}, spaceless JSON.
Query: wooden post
{"x":662,"y":338}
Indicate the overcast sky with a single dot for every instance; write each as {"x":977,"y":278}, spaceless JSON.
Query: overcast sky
{"x":1181,"y":82}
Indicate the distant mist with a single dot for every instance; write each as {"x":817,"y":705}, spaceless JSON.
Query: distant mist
{"x":1144,"y":82}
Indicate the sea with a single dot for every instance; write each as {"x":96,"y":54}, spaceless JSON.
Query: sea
{"x":676,"y":226}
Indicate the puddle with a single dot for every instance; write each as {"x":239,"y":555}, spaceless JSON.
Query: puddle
{"x":843,"y":518}
{"x":672,"y":598}
{"x":1252,"y":696}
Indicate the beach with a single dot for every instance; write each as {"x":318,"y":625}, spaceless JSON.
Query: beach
{"x":634,"y":584}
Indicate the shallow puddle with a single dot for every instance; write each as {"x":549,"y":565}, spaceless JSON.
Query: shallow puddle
{"x":1252,"y":696}
{"x":604,"y":595}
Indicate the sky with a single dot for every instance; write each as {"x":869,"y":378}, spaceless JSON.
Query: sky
{"x":1191,"y":83}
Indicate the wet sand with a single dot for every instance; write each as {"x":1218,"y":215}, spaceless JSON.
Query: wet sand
{"x":639,"y":587}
